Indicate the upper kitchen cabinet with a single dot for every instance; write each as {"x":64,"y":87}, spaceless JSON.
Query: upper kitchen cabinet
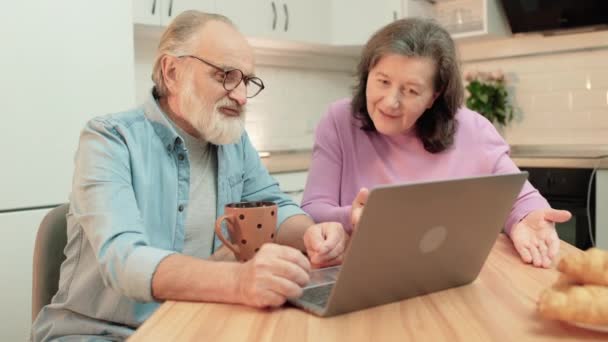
{"x":354,"y":21}
{"x":146,"y":12}
{"x":174,"y":7}
{"x":161,"y":12}
{"x":287,"y":20}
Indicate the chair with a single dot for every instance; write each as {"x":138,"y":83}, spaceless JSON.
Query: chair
{"x":48,"y":256}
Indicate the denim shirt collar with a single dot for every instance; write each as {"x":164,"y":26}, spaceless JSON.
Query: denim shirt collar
{"x":160,"y":121}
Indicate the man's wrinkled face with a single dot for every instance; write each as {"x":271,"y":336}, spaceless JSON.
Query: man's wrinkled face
{"x":217,"y":114}
{"x":208,"y":115}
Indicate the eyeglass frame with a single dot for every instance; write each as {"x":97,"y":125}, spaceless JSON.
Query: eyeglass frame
{"x":226,"y":71}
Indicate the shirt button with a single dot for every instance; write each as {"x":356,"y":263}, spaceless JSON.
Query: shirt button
{"x":180,"y":208}
{"x":180,"y":157}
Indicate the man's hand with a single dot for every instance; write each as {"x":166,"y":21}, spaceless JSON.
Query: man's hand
{"x":273,"y":275}
{"x":535,"y":238}
{"x":325,"y":244}
{"x":357,"y":208}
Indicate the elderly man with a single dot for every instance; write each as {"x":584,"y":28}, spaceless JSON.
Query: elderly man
{"x":149,"y":184}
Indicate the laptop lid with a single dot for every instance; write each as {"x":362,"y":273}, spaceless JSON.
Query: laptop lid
{"x":419,"y":238}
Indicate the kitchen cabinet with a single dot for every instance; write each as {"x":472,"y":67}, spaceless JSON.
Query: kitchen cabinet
{"x":174,"y":7}
{"x":19,"y":232}
{"x":287,"y":20}
{"x":292,"y":20}
{"x":354,"y":21}
{"x":161,"y":12}
{"x":292,"y":183}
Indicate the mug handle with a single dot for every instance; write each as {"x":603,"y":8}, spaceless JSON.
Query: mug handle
{"x":218,"y":230}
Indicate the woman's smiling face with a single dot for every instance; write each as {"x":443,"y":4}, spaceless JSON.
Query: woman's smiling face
{"x":399,"y":89}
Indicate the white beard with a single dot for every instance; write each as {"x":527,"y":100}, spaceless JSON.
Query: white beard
{"x":212,"y":125}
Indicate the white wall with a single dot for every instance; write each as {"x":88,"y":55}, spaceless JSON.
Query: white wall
{"x":559,"y":85}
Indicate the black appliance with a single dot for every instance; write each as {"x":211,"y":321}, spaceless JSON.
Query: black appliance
{"x":555,"y":15}
{"x":568,"y":189}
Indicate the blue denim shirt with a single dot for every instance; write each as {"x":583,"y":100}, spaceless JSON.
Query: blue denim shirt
{"x":127,"y":211}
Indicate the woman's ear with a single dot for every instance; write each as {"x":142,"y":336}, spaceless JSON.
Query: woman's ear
{"x":168,"y":66}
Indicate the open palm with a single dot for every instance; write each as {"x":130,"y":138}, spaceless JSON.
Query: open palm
{"x":535,"y":238}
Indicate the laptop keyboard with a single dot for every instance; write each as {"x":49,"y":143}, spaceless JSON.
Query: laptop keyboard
{"x":317,"y":295}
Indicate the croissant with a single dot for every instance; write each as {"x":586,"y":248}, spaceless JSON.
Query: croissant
{"x":590,"y":267}
{"x":575,"y":303}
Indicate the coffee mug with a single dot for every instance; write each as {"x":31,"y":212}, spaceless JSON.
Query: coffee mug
{"x":250,"y":225}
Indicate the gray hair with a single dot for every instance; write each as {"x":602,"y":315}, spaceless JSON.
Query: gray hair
{"x":178,"y":39}
{"x":415,"y":37}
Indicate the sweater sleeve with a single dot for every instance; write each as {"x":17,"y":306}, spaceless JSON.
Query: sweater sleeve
{"x":529,"y":199}
{"x":321,"y":199}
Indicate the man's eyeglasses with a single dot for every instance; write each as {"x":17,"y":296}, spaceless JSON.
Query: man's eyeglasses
{"x":234,"y":77}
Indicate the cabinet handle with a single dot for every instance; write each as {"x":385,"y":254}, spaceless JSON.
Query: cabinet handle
{"x":394,"y":15}
{"x":286,"y":17}
{"x":170,"y":8}
{"x":153,"y":7}
{"x":274,"y":15}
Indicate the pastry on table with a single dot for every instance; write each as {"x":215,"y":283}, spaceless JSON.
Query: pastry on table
{"x":589,"y":267}
{"x":575,"y":303}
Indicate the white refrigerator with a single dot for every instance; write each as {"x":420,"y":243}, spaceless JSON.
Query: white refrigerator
{"x":62,"y":63}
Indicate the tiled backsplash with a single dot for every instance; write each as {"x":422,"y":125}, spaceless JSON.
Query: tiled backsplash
{"x":560,"y":98}
{"x":284,"y":115}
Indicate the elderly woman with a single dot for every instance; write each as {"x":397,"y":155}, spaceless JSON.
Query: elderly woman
{"x":406,"y":123}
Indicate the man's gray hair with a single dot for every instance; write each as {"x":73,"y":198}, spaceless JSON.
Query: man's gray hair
{"x":178,"y":39}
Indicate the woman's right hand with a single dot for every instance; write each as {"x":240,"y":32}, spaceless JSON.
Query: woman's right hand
{"x":357,"y":207}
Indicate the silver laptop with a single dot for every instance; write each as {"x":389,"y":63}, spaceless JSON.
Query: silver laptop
{"x":415,"y":239}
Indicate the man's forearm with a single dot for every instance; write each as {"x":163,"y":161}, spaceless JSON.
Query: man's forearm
{"x":292,"y":230}
{"x":185,"y":278}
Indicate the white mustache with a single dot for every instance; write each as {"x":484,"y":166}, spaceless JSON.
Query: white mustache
{"x":231,"y":105}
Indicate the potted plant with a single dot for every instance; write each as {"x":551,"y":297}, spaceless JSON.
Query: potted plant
{"x":487,"y":95}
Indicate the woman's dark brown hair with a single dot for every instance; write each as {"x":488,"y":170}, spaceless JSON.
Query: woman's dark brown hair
{"x":415,"y":37}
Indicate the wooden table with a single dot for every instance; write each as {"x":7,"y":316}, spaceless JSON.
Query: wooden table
{"x":500,"y":305}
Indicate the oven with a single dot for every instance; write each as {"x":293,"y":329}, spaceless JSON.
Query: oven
{"x":572,"y":190}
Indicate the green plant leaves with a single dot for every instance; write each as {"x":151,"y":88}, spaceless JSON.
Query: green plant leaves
{"x":490,"y":99}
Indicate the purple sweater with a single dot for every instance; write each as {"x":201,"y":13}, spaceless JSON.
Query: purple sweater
{"x":346,"y":158}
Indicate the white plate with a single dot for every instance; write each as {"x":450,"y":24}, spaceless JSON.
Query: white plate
{"x":595,"y":327}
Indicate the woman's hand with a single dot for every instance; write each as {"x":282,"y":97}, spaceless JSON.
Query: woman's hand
{"x":357,"y":207}
{"x":325,"y":244}
{"x":535,"y":238}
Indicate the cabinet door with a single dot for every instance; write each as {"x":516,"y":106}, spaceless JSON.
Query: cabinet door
{"x":19,"y":233}
{"x":147,"y":12}
{"x":55,"y":78}
{"x":354,"y":21}
{"x":171,"y":8}
{"x":307,"y":21}
{"x":292,"y":183}
{"x":259,"y":19}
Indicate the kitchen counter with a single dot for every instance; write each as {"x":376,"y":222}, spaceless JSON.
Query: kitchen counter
{"x":287,"y":161}
{"x":558,"y":156}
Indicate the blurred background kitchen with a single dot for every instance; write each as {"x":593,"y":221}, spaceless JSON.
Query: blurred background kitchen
{"x":65,"y":62}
